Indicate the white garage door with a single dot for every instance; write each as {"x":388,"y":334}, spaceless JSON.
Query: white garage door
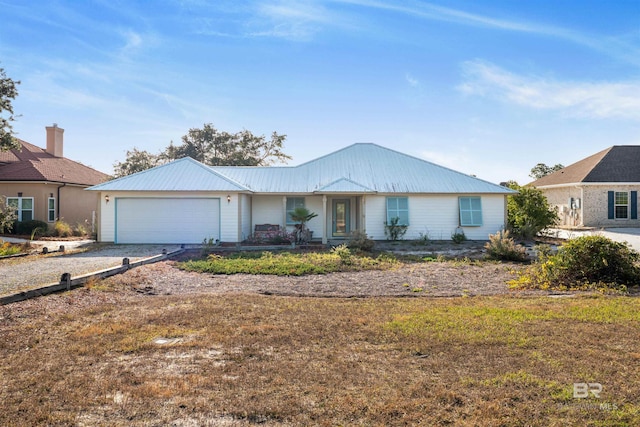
{"x":167,"y":220}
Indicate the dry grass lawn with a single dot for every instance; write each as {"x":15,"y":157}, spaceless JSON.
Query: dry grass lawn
{"x":242,"y":359}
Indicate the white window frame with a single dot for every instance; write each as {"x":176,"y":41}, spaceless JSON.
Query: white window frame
{"x":617,"y":204}
{"x":19,"y":207}
{"x":51,"y":211}
{"x":292,"y":204}
{"x":394,"y":210}
{"x":467,"y":210}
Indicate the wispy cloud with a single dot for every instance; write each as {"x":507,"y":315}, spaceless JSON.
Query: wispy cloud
{"x":579,"y":99}
{"x":618,"y":48}
{"x":412,"y":81}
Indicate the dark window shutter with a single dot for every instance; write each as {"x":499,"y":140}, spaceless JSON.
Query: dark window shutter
{"x":634,"y":205}
{"x":611,"y":205}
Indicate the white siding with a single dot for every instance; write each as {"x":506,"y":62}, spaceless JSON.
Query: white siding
{"x":245,"y":216}
{"x":314,"y":204}
{"x":436,"y":216}
{"x":267,"y":210}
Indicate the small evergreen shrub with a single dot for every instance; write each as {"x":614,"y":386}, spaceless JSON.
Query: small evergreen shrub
{"x":502,"y":247}
{"x":393,"y":230}
{"x":358,"y":240}
{"x":458,"y":236}
{"x":31,"y":227}
{"x":343,"y":253}
{"x":583,"y":263}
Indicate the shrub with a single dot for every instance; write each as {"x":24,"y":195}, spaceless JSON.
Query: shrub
{"x":502,"y":247}
{"x":358,"y":240}
{"x":458,"y":236}
{"x":393,"y":230}
{"x":82,"y":229}
{"x":343,"y":252}
{"x":8,"y":215}
{"x":62,"y":229}
{"x":582,"y":263}
{"x":529,"y":212}
{"x":31,"y":227}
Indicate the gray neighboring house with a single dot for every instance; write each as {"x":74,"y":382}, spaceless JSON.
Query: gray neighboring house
{"x":360,"y":187}
{"x":598,"y":191}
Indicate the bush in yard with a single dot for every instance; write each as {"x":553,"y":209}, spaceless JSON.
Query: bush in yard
{"x":62,"y":229}
{"x":394,"y":230}
{"x":31,"y":227}
{"x":8,"y":215}
{"x":583,"y":263}
{"x":359,"y":241}
{"x":529,"y":212}
{"x":458,"y":236}
{"x":501,"y":246}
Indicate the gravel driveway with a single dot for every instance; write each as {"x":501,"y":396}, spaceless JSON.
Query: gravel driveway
{"x":19,"y":274}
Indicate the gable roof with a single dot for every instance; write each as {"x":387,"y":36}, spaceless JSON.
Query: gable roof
{"x":185,"y":174}
{"x":619,"y":163}
{"x":32,"y":163}
{"x":358,"y":168}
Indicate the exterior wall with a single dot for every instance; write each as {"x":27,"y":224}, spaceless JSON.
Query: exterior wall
{"x":568,"y":216}
{"x":74,"y":206}
{"x":229,"y":211}
{"x":271,"y":210}
{"x":437,"y":216}
{"x":245,"y":216}
{"x":596,"y":206}
{"x":593,"y":208}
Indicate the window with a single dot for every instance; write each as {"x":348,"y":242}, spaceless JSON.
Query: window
{"x":470,"y":211}
{"x":398,"y":207}
{"x":23,"y":206}
{"x":51,"y":217}
{"x":621,"y":205}
{"x":292,"y":204}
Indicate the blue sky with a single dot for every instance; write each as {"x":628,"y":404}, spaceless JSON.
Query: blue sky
{"x":488,"y":88}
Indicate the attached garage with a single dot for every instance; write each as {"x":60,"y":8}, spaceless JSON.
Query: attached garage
{"x":166,"y":220}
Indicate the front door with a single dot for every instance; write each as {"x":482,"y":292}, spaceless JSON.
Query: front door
{"x":341,"y":217}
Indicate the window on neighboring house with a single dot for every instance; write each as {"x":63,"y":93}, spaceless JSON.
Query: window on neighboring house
{"x":24,"y":207}
{"x":398,"y":207}
{"x":51,"y":210}
{"x":621,"y":205}
{"x":292,"y":204}
{"x":470,"y":211}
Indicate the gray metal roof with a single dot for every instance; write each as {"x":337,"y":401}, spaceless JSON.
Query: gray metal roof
{"x":181,"y":175}
{"x":358,"y":168}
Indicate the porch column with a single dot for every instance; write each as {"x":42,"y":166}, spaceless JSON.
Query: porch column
{"x":324,"y":219}
{"x":363,"y":213}
{"x":284,"y":212}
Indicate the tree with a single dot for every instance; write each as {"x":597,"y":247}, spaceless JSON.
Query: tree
{"x":215,"y":148}
{"x":8,"y":215}
{"x":8,"y":92}
{"x":136,"y":161}
{"x":529,"y":212}
{"x":211,"y":147}
{"x":540,"y":170}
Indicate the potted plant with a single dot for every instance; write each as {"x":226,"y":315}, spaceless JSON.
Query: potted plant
{"x":302,"y":215}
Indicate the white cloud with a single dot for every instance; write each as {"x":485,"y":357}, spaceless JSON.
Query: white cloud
{"x":412,"y":81}
{"x":579,"y":99}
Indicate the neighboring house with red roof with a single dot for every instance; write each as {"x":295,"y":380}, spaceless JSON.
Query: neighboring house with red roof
{"x":46,"y":186}
{"x":598,"y":191}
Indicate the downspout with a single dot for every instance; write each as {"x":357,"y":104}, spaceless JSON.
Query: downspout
{"x":58,"y":201}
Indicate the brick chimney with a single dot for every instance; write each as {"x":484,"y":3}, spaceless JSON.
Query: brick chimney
{"x":54,"y":140}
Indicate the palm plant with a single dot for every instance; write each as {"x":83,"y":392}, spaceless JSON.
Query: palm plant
{"x":302,"y":215}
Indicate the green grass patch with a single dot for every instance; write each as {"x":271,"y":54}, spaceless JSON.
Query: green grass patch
{"x":287,"y":263}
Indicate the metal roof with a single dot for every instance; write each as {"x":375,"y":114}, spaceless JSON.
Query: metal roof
{"x":181,"y":175}
{"x":358,"y":168}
